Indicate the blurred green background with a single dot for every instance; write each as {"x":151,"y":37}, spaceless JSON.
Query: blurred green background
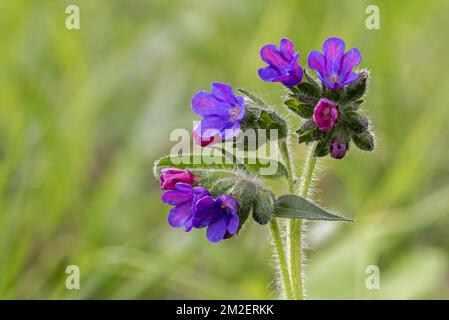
{"x":84,"y":113}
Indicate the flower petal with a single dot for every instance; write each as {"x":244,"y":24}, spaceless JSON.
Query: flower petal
{"x":204,"y":212}
{"x":269,"y":73}
{"x":223,"y":92}
{"x":333,"y":49}
{"x":205,"y":104}
{"x":294,"y":72}
{"x":216,"y":229}
{"x":200,"y":192}
{"x":180,"y":215}
{"x":351,"y":59}
{"x":241,"y":105}
{"x":229,"y":202}
{"x":317,"y":62}
{"x":287,"y":49}
{"x":350,"y":77}
{"x":176,"y":197}
{"x":231,"y":131}
{"x":233,"y":223}
{"x":213,"y":125}
{"x":270,"y":54}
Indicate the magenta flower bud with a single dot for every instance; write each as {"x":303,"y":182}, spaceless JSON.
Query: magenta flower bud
{"x":339,"y":147}
{"x":170,"y":176}
{"x":325,"y":114}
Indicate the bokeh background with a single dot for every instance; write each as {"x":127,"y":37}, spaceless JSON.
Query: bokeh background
{"x":84,"y":113}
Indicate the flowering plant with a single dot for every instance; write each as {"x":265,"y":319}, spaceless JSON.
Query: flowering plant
{"x":220,"y":193}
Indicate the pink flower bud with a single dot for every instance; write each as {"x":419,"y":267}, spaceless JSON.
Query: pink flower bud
{"x":170,"y":176}
{"x":325,"y":114}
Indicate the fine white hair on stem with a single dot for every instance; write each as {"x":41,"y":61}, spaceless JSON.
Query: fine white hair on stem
{"x":276,"y":285}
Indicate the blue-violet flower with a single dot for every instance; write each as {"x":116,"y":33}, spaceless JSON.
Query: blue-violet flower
{"x":222,"y":113}
{"x":184,"y":199}
{"x":335,"y":66}
{"x":219,"y":215}
{"x":282,"y":63}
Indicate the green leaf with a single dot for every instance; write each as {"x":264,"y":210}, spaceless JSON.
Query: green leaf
{"x":302,"y":109}
{"x":219,"y":185}
{"x":312,"y":81}
{"x":194,"y":163}
{"x":309,"y":136}
{"x":257,"y":102}
{"x":323,"y":147}
{"x":296,"y":207}
{"x":308,"y":89}
{"x":203,"y":166}
{"x":306,"y":126}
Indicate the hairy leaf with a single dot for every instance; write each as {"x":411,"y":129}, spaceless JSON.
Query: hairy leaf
{"x":296,"y":207}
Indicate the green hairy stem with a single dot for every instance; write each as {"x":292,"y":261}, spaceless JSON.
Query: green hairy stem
{"x":291,"y":268}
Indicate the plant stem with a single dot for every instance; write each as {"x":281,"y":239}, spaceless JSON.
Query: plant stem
{"x":285,"y":153}
{"x":307,"y":173}
{"x":283,"y":267}
{"x":295,"y":230}
{"x":279,"y":245}
{"x":294,"y":235}
{"x":283,"y":148}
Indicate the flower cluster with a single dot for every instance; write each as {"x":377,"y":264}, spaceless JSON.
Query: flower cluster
{"x":330,"y":110}
{"x":193,"y":206}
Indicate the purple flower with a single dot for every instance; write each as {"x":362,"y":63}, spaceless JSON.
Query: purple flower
{"x":184,"y":199}
{"x":170,"y":176}
{"x":339,"y":147}
{"x":222,"y":113}
{"x":335,"y":66}
{"x":283,"y":64}
{"x":219,"y":215}
{"x":325,"y":114}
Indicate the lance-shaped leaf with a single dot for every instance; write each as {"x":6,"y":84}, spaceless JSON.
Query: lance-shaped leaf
{"x":256,"y":101}
{"x":296,"y":207}
{"x":301,"y":109}
{"x":202,"y":166}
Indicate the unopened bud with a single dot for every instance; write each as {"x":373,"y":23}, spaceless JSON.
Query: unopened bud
{"x":364,"y":140}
